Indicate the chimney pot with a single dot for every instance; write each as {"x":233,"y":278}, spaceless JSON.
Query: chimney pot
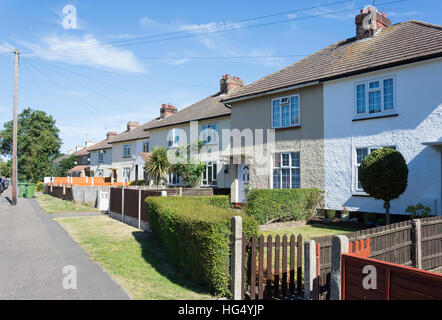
{"x":369,"y":21}
{"x":228,"y":83}
{"x":166,"y":110}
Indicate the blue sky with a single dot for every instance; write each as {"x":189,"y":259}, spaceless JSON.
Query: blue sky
{"x":91,"y":80}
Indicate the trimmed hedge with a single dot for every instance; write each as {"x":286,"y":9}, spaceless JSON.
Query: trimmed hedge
{"x":270,"y":205}
{"x":216,"y":201}
{"x":196,"y":236}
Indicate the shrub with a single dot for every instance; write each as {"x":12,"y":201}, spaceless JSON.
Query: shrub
{"x":369,"y":217}
{"x":418,"y":211}
{"x":196,"y":236}
{"x":330,"y":214}
{"x":216,"y":201}
{"x":380,"y":222}
{"x":267,"y":205}
{"x":40,"y":186}
{"x":140,"y":183}
{"x":384,"y":176}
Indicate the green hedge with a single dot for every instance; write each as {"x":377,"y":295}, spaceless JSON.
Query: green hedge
{"x":216,"y":201}
{"x":267,"y":205}
{"x":197,"y":237}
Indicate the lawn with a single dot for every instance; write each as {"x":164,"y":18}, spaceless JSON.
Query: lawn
{"x":52,"y":205}
{"x":132,"y":257}
{"x":307,"y":231}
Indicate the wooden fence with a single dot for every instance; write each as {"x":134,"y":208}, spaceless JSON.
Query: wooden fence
{"x":85,"y":182}
{"x":393,"y":243}
{"x":273,"y":267}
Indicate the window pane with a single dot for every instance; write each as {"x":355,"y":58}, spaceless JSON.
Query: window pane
{"x":285,"y":178}
{"x":277,"y":160}
{"x":209,"y":173}
{"x":276,"y":113}
{"x":360,"y":92}
{"x":276,"y":179}
{"x":285,"y":116}
{"x":388,"y":94}
{"x":359,"y":182}
{"x":296,"y":180}
{"x":361,"y":154}
{"x":374,"y":101}
{"x":294,"y":104}
{"x":214,"y":171}
{"x":285,"y":160}
{"x":374,"y":85}
{"x":295,"y":160}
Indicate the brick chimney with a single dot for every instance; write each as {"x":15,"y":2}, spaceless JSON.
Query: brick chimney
{"x":229,"y":83}
{"x":132,"y":125}
{"x":110,"y":134}
{"x":369,"y":21}
{"x":166,"y":110}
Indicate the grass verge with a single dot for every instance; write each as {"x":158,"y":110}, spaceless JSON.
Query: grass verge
{"x":51,"y":205}
{"x":132,"y":257}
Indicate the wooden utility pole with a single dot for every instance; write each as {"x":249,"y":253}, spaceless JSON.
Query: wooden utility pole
{"x":14,"y":132}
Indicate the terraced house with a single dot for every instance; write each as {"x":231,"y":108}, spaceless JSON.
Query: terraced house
{"x":329,"y":110}
{"x":101,"y":157}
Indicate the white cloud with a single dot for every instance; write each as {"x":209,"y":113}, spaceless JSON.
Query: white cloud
{"x":85,"y":51}
{"x":146,"y":22}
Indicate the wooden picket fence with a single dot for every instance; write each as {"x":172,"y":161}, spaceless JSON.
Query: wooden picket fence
{"x":273,"y":267}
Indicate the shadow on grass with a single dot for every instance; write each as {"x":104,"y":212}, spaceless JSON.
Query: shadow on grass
{"x":156,"y":255}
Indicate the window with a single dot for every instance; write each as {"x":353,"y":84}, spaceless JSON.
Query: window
{"x":361,"y":153}
{"x":145,"y":146}
{"x":286,"y":170}
{"x":209,"y":133}
{"x":101,"y":156}
{"x":286,"y":112}
{"x":209,"y":174}
{"x":99,"y":173}
{"x":375,"y":97}
{"x":85,"y":159}
{"x":173,"y":179}
{"x":126,"y":150}
{"x":173,"y":138}
{"x":126,"y":174}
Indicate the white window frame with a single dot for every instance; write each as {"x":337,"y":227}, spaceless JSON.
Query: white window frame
{"x":173,"y":133}
{"x":173,"y":176}
{"x":367,"y":113}
{"x":205,"y":178}
{"x":126,"y":174}
{"x":209,"y":131}
{"x":290,"y":112}
{"x":290,"y":167}
{"x":356,"y":166}
{"x":126,"y":150}
{"x":100,"y":156}
{"x":146,"y":146}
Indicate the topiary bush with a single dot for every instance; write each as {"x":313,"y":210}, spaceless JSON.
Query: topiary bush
{"x":271,"y":205}
{"x":196,"y":236}
{"x":384,"y":176}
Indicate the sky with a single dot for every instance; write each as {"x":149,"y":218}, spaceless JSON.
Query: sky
{"x":118,"y":61}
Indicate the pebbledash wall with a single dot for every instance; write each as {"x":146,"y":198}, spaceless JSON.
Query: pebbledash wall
{"x":418,"y":98}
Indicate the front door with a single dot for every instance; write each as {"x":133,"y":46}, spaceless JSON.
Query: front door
{"x":243,"y":181}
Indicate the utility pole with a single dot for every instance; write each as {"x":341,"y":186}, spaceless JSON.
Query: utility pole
{"x":14,"y":132}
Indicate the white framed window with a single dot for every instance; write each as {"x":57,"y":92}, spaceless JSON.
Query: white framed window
{"x":101,"y":156}
{"x":85,"y":159}
{"x":173,"y":179}
{"x":286,"y":170}
{"x":360,"y":154}
{"x":173,"y":138}
{"x":146,"y":146}
{"x":286,"y":112}
{"x":126,"y":150}
{"x":209,"y":174}
{"x":126,"y":174}
{"x":375,"y":97}
{"x":210,"y":133}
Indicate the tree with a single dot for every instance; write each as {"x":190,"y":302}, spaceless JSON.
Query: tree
{"x":384,"y":176}
{"x":5,"y":168}
{"x":189,"y":171}
{"x":61,"y":169}
{"x":38,"y":144}
{"x":158,"y":165}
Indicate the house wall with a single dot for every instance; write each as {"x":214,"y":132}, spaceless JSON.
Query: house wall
{"x":418,"y":98}
{"x":158,"y":138}
{"x":105,"y":165}
{"x":119,"y":162}
{"x":306,"y":139}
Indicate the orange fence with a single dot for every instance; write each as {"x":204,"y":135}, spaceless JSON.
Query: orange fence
{"x":86,"y":182}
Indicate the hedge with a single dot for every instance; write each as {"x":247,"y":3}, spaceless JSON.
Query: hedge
{"x":216,"y":201}
{"x":196,"y":236}
{"x":267,"y":205}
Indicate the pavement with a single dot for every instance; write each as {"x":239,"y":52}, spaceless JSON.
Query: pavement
{"x":34,"y":250}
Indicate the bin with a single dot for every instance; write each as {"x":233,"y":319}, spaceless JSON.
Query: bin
{"x":22,"y":189}
{"x":30,"y":188}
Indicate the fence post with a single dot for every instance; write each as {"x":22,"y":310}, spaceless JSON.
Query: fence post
{"x":122,"y":204}
{"x":339,"y":246}
{"x":180,"y":191}
{"x":310,"y":272}
{"x":139,"y":208}
{"x":417,"y":242}
{"x":236,"y":258}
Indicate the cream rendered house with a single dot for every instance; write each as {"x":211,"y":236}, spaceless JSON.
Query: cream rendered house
{"x":101,"y":157}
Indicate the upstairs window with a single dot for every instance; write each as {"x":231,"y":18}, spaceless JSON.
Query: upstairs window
{"x":286,"y":112}
{"x":173,"y":138}
{"x":375,"y":97}
{"x":101,"y":156}
{"x":145,"y":146}
{"x":210,"y":133}
{"x":126,"y":150}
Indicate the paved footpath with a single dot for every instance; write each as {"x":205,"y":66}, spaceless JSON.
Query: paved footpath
{"x":34,"y":249}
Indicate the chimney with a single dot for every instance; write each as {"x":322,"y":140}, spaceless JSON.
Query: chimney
{"x":89,"y":143}
{"x":369,"y":21}
{"x":110,"y":134}
{"x":166,"y":110}
{"x":228,"y":83}
{"x":132,"y":125}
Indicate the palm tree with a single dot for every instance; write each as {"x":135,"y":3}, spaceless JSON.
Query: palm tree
{"x":158,"y":165}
